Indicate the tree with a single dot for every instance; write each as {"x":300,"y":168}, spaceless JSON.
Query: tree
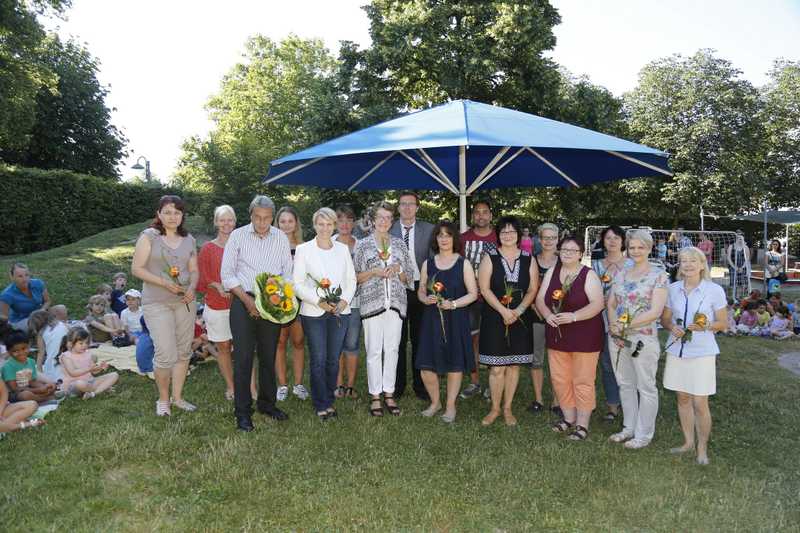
{"x":22,"y":73}
{"x":72,"y":128}
{"x":781,"y":119}
{"x":700,"y":110}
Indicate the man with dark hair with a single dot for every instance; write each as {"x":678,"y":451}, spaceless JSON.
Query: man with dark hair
{"x":417,"y":236}
{"x":476,"y":241}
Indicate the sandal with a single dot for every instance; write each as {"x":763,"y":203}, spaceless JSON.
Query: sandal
{"x":393,"y":409}
{"x":376,"y":411}
{"x":562,"y":426}
{"x":339,"y":392}
{"x":351,"y":393}
{"x":33,"y":423}
{"x":580,"y":433}
{"x":610,"y":416}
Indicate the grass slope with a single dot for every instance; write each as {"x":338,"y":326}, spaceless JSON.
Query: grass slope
{"x":109,"y":464}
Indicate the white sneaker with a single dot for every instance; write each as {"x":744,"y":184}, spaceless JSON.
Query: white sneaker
{"x":635,"y":444}
{"x":283,"y":392}
{"x":622,"y":436}
{"x":300,"y":392}
{"x":487,"y":393}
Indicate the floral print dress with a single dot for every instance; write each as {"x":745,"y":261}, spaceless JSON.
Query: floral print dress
{"x":635,"y":296}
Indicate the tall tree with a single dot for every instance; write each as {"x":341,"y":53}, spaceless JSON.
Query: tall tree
{"x":781,"y":119}
{"x":72,"y":128}
{"x":22,"y":73}
{"x":700,"y":109}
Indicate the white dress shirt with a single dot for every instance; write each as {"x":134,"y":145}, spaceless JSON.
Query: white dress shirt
{"x":706,"y":298}
{"x":411,"y":251}
{"x":248,"y":254}
{"x":334,"y":264}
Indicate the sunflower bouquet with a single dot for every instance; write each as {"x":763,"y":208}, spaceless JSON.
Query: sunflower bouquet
{"x":275,"y":298}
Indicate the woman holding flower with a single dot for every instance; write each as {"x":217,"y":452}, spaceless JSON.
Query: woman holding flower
{"x":615,"y":261}
{"x":571,"y":302}
{"x":447,"y":286}
{"x":384,"y":272}
{"x":635,"y":302}
{"x":325,"y":282}
{"x":696,"y":309}
{"x":508,"y":281}
{"x":165,"y":259}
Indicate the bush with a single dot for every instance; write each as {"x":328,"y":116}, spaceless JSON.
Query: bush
{"x":41,"y":209}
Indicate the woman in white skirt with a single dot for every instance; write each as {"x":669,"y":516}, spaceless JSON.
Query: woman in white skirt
{"x":698,"y":306}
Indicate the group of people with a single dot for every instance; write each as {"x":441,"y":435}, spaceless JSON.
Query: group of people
{"x":759,"y":317}
{"x":452,"y":301}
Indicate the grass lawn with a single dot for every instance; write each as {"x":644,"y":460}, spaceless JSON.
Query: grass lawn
{"x":109,"y":464}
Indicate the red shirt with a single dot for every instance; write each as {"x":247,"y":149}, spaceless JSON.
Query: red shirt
{"x":209,"y":262}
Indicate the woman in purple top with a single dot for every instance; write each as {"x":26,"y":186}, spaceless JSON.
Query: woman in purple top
{"x":570,"y":303}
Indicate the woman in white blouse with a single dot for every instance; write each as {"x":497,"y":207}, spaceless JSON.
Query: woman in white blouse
{"x":324,"y":261}
{"x":694,"y":304}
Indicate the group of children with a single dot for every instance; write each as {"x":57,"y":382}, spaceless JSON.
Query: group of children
{"x":758,"y":317}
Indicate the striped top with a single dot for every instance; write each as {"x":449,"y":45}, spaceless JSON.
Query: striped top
{"x":248,"y":254}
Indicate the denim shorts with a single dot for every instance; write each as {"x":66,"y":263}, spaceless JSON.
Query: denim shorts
{"x":351,"y":340}
{"x":475,"y":310}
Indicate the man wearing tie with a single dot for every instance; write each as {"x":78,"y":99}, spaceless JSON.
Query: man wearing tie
{"x":417,"y":235}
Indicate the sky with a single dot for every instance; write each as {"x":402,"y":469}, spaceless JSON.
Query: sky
{"x":163,"y":59}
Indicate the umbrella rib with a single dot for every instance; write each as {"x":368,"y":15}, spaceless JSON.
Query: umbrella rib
{"x":489,"y":176}
{"x":431,"y":163}
{"x":552,"y":166}
{"x":295,"y":169}
{"x":638,"y":162}
{"x":370,"y":171}
{"x":488,"y":169}
{"x":449,"y":186}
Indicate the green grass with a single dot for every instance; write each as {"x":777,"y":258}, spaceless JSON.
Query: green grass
{"x":109,"y":464}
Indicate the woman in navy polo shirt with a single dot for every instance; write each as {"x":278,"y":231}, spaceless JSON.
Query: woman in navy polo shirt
{"x":23,"y":296}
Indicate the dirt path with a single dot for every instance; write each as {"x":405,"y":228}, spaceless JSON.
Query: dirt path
{"x":791,"y":362}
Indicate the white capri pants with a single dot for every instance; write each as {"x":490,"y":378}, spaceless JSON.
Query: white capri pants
{"x":382,"y":338}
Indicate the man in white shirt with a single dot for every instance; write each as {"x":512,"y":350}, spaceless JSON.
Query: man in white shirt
{"x":417,"y":235}
{"x":252,"y":249}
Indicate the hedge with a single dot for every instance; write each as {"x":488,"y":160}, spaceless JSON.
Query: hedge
{"x":41,"y":209}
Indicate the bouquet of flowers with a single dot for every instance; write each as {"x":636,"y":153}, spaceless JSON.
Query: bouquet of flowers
{"x":437,"y":288}
{"x":330,"y":296}
{"x":559,"y":295}
{"x":508,"y":296}
{"x":275,"y":298}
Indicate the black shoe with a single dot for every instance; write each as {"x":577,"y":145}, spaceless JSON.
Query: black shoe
{"x":423,"y":395}
{"x":244,"y":423}
{"x":535,"y":407}
{"x":275,"y":414}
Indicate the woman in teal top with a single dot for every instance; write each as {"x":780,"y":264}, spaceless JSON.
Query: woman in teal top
{"x":22,"y":296}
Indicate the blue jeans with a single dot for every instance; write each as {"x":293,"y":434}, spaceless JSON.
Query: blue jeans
{"x":352,"y":339}
{"x":145,"y":353}
{"x":325,"y":335}
{"x":610,"y":386}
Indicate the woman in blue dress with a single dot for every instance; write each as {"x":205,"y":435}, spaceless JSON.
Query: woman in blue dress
{"x":447,"y":286}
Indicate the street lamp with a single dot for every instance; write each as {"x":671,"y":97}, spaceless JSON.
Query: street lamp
{"x":146,"y":167}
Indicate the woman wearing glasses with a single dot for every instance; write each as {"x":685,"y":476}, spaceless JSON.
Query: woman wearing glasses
{"x":690,"y":369}
{"x":571,"y":304}
{"x":508,"y":281}
{"x":635,"y":301}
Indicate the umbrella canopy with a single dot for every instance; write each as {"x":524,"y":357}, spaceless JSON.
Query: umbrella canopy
{"x":788,"y":217}
{"x":463,"y":146}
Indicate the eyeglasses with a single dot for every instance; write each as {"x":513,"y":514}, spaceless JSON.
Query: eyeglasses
{"x":549,"y":238}
{"x":508,"y":232}
{"x":639,"y":346}
{"x":569,"y":251}
{"x":408,"y":204}
{"x":383,"y":217}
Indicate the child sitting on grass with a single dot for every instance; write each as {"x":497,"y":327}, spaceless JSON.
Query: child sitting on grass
{"x":102,"y":324}
{"x":762,"y":320}
{"x":81,"y":370}
{"x":49,"y":328}
{"x":732,"y":309}
{"x":780,"y":325}
{"x":119,"y":281}
{"x":132,"y":314}
{"x":748,"y":320}
{"x":20,"y":374}
{"x":13,"y":415}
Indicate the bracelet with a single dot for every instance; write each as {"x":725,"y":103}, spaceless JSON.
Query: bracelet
{"x":574,"y":317}
{"x":455,"y":305}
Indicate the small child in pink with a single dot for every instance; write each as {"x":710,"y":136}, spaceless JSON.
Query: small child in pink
{"x":780,"y":326}
{"x":80,"y":369}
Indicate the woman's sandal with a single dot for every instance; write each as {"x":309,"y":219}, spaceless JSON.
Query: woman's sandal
{"x":339,"y":392}
{"x":610,"y":416}
{"x":580,"y":433}
{"x":351,"y":393}
{"x":393,"y":409}
{"x":33,"y":423}
{"x":562,"y":426}
{"x":375,"y":411}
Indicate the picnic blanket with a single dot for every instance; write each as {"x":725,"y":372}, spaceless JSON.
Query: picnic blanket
{"x":120,"y":358}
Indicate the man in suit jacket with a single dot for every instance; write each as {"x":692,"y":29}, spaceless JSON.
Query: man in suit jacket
{"x":417,"y":234}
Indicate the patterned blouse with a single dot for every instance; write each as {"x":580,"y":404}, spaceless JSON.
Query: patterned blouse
{"x":635,"y":296}
{"x":373,"y":292}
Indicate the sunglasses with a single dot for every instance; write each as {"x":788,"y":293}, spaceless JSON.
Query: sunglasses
{"x":639,"y":346}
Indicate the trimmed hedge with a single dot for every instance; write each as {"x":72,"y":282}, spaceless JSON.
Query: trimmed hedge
{"x":41,"y":209}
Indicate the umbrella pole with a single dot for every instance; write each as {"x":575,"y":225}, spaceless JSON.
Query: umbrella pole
{"x":766,"y":247}
{"x":462,"y":187}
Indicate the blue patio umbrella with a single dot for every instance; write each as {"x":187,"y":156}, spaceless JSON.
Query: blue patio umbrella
{"x":464,"y":146}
